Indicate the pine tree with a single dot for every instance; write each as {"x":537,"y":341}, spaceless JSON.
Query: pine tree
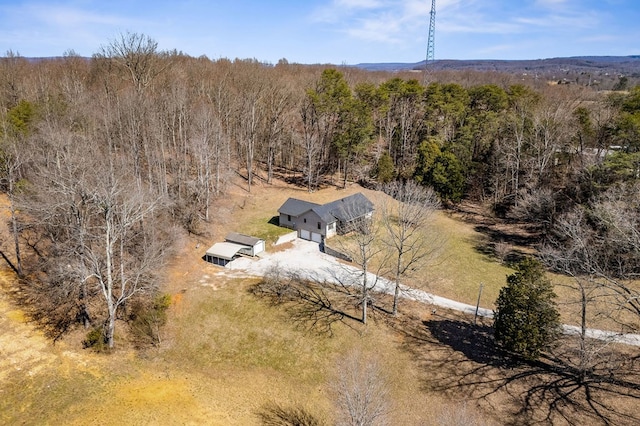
{"x":526,"y":321}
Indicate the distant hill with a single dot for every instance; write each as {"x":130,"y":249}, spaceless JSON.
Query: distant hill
{"x":621,"y":65}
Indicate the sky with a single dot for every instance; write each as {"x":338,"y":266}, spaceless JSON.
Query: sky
{"x":327,"y":31}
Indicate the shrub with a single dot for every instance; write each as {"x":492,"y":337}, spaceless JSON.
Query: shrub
{"x":95,"y":340}
{"x":146,"y":318}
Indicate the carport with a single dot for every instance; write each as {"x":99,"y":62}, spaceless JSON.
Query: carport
{"x":223,"y":253}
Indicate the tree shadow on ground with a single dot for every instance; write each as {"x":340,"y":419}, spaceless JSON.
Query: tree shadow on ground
{"x":500,"y":238}
{"x":273,"y":414}
{"x":503,"y":252}
{"x":461,"y":359}
{"x":311,"y":302}
{"x":499,"y":235}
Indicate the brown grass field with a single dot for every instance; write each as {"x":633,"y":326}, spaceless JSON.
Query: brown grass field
{"x":226,"y":354}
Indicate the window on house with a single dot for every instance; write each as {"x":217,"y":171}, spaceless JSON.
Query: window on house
{"x":319,"y":225}
{"x":289,"y":217}
{"x":305,"y":220}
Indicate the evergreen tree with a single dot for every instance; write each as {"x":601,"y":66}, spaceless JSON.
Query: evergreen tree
{"x":384,"y":171}
{"x":446,"y":177}
{"x":526,"y":320}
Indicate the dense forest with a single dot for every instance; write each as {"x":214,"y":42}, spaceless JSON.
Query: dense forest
{"x":105,"y":159}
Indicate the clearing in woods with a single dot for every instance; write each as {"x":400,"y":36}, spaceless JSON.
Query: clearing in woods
{"x":225,"y":353}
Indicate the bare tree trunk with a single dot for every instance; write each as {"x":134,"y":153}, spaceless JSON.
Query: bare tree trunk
{"x":396,"y":290}
{"x":405,"y":218}
{"x":107,"y":287}
{"x":365,"y":291}
{"x":16,"y":235}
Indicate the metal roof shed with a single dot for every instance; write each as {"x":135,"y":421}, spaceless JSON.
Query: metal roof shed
{"x":223,"y":253}
{"x":253,"y":245}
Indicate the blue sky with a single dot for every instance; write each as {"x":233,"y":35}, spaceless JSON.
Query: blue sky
{"x":328,"y":31}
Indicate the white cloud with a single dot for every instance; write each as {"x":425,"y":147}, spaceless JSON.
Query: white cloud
{"x":66,"y":16}
{"x":357,"y":4}
{"x":47,"y":29}
{"x":561,"y":22}
{"x":472,"y":27}
{"x":551,"y":3}
{"x":387,"y":21}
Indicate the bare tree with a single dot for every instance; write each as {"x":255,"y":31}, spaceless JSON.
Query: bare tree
{"x":12,"y":75}
{"x":311,"y":142}
{"x":13,"y":159}
{"x":312,"y":302}
{"x":277,"y":105}
{"x":138,"y":55}
{"x":460,"y":415}
{"x":405,"y":216}
{"x":598,"y":248}
{"x":603,"y":245}
{"x":361,"y":392}
{"x":249,"y":112}
{"x":361,"y":243}
{"x":273,"y":414}
{"x":125,"y":256}
{"x":403,"y":120}
{"x":104,"y":231}
{"x":511,"y":148}
{"x":549,"y":136}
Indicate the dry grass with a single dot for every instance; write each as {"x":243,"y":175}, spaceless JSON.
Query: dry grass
{"x":226,"y":354}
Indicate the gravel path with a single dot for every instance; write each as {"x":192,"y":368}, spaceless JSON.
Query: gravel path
{"x":306,"y":259}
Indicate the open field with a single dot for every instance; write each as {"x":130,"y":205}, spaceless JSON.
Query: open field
{"x":225,"y":353}
{"x":443,"y":275}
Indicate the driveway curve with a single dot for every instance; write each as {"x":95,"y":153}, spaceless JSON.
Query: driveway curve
{"x":306,"y":259}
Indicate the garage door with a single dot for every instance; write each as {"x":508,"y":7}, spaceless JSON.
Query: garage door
{"x":316,"y":237}
{"x":305,"y":235}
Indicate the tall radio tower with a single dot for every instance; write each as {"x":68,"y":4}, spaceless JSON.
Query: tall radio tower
{"x":432,"y":36}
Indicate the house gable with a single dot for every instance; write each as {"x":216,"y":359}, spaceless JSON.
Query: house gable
{"x":295,"y":207}
{"x":313,"y":222}
{"x":291,"y":210}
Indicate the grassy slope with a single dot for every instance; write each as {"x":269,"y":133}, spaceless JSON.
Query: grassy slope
{"x":226,"y":354}
{"x":460,"y":269}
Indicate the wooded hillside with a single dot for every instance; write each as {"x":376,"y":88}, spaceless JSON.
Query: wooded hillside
{"x":103,"y":158}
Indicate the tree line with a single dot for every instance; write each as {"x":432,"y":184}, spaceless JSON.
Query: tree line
{"x":104,"y":159}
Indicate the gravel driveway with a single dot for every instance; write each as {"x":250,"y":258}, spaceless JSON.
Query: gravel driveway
{"x":306,"y":259}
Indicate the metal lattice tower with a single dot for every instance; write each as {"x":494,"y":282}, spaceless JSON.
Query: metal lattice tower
{"x":432,"y":35}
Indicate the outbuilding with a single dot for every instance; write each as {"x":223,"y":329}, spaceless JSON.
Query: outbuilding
{"x":252,"y":246}
{"x":223,"y":253}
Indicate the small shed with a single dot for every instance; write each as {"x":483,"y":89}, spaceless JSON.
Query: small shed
{"x":252,"y":245}
{"x":223,"y":253}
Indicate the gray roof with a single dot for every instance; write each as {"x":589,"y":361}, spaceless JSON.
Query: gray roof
{"x":225,"y":250}
{"x":346,"y":209}
{"x":234,"y":237}
{"x":295,"y":207}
